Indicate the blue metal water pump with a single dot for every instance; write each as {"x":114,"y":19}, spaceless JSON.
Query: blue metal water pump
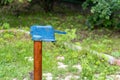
{"x":44,"y":33}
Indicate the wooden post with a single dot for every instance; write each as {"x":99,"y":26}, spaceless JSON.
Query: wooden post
{"x":37,"y":60}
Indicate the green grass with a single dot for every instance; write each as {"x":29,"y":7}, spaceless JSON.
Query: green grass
{"x":15,"y":47}
{"x":13,"y":62}
{"x":57,"y":20}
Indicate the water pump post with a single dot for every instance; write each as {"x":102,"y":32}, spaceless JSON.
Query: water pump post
{"x":37,"y":60}
{"x":40,"y":34}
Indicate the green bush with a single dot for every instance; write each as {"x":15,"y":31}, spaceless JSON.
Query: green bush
{"x":4,"y":2}
{"x":103,"y":13}
{"x":5,"y":26}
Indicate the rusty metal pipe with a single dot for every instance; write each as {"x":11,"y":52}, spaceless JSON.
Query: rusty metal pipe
{"x":37,"y":60}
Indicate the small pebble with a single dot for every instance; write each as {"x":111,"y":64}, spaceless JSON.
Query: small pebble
{"x":30,"y":59}
{"x":60,"y":58}
{"x":25,"y":79}
{"x":15,"y":79}
{"x":48,"y":76}
{"x":78,"y":66}
{"x":62,"y":66}
{"x":69,"y":77}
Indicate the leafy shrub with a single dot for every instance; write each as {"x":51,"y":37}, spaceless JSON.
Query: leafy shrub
{"x":15,"y":7}
{"x":4,"y":2}
{"x":5,"y":26}
{"x":103,"y":13}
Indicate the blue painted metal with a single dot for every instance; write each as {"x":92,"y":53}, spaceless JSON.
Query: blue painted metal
{"x":44,"y":33}
{"x":59,"y":32}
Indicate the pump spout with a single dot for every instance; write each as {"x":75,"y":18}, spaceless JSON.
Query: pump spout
{"x":59,"y":32}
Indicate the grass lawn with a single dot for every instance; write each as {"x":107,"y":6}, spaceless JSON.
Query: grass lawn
{"x":16,"y":49}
